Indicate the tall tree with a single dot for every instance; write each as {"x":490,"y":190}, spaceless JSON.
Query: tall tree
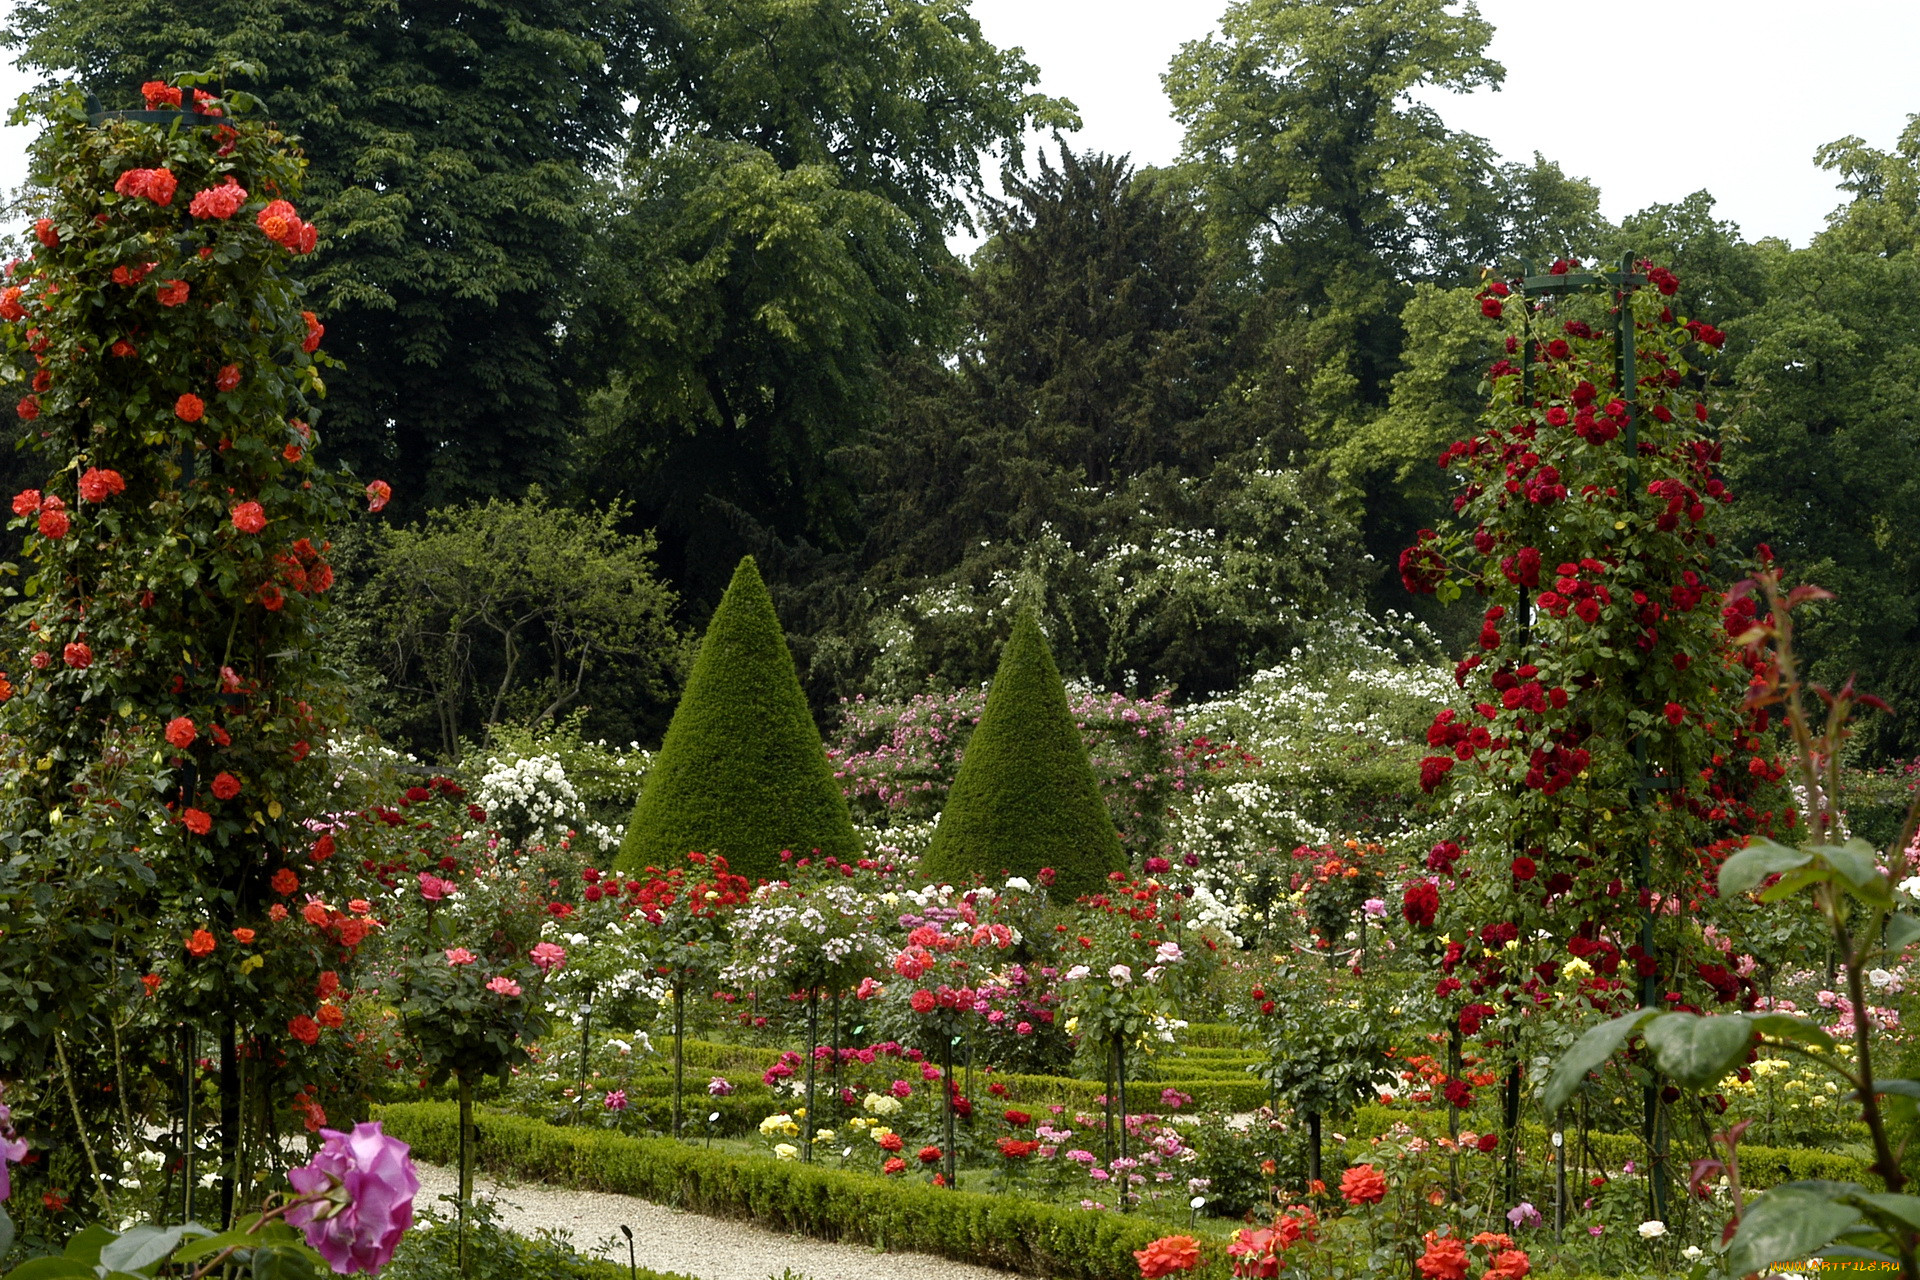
{"x":1827,"y":383}
{"x":1091,"y":454}
{"x":776,"y":243}
{"x":449,"y":148}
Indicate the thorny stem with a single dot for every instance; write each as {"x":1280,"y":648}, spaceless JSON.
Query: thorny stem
{"x":220,"y":1259}
{"x":79,"y":1125}
{"x":1822,"y":799}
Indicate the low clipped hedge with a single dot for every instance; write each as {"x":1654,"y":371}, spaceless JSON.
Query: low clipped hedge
{"x":1214,"y":1094}
{"x":832,"y":1204}
{"x":1760,"y":1167}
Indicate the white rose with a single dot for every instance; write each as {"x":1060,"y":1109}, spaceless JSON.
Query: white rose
{"x":1652,"y":1229}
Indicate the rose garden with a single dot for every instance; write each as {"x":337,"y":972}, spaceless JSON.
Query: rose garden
{"x":1575,"y":954}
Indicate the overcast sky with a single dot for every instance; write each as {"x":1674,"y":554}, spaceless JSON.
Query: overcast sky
{"x":1729,"y":95}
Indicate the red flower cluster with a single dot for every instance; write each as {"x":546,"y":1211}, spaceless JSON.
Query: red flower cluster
{"x":248,"y":517}
{"x":97,"y":484}
{"x":1421,"y":566}
{"x":219,"y":202}
{"x":282,"y":225}
{"x":157,"y":185}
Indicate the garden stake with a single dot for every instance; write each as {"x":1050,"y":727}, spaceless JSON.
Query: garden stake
{"x":813,"y":1039}
{"x":466,"y":1168}
{"x":1513,"y":1130}
{"x":633,"y":1262}
{"x":679,"y":1058}
{"x":946,"y":1062}
{"x":1559,"y":1186}
{"x":586,"y":1021}
{"x":1120,"y":1072}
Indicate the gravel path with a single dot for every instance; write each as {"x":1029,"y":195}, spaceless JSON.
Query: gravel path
{"x":706,"y":1248}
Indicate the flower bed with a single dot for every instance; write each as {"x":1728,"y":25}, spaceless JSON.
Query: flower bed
{"x":1004,"y":1231}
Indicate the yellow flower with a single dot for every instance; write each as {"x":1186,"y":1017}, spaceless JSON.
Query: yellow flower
{"x":787,"y":1151}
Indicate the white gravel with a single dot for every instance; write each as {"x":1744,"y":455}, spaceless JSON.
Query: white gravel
{"x":690,"y":1243}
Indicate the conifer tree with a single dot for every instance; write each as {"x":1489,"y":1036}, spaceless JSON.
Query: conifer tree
{"x":742,"y":772}
{"x":1025,"y":797}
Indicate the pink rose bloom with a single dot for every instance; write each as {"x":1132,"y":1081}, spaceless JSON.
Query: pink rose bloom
{"x":433,"y":888}
{"x":548,"y":956}
{"x":900,"y":1089}
{"x":617,"y":1100}
{"x":929,"y":1072}
{"x":367,"y":1185}
{"x":719,"y":1086}
{"x":12,"y":1150}
{"x":504,"y":986}
{"x":459,"y":956}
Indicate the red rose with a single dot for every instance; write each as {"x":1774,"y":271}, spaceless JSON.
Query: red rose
{"x":158,"y":94}
{"x":26,"y":502}
{"x":78,"y":655}
{"x":893,"y":1166}
{"x":1491,"y":308}
{"x":1420,"y":903}
{"x":929,"y":1154}
{"x":229,"y":377}
{"x":315,"y":332}
{"x":98,"y":484}
{"x":28,"y":409}
{"x":1489,"y":1142}
{"x":244,"y":937}
{"x":219,"y":202}
{"x":200,"y":944}
{"x":197,"y":821}
{"x":1433,"y":771}
{"x":304,"y":1029}
{"x":379,"y":492}
{"x":1363,"y":1184}
{"x":922,"y":1001}
{"x":271,"y":597}
{"x":1675,"y":713}
{"x":1524,"y":869}
{"x":225,"y":786}
{"x":249,"y":517}
{"x":46,"y":233}
{"x":181,"y":732}
{"x":54,"y":522}
{"x":322,"y":849}
{"x":189,"y":408}
{"x":331,"y":1017}
{"x":1019,"y":1119}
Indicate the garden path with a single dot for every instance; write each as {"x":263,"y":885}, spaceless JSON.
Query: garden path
{"x":689,"y":1243}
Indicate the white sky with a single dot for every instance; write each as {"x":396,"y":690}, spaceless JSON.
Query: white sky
{"x":1730,"y":95}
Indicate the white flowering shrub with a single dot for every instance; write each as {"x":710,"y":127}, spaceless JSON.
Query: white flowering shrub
{"x":1321,"y":748}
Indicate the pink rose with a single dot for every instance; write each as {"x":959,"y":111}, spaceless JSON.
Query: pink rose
{"x":459,"y":956}
{"x":547,"y":957}
{"x":504,"y":986}
{"x":366,"y":1184}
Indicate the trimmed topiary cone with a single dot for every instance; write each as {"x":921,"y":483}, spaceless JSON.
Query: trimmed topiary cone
{"x":1025,"y":797}
{"x":742,"y":771}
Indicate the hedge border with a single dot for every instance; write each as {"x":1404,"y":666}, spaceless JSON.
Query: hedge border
{"x":831,"y":1204}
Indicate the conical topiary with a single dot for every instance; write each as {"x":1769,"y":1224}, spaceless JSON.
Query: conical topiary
{"x":1025,"y":797}
{"x":742,"y":772}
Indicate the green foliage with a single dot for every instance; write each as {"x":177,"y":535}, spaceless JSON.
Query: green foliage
{"x":1024,"y":798}
{"x":515,"y":612}
{"x":1006,"y":1231}
{"x":742,"y":772}
{"x":448,"y":155}
{"x":429,"y":1251}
